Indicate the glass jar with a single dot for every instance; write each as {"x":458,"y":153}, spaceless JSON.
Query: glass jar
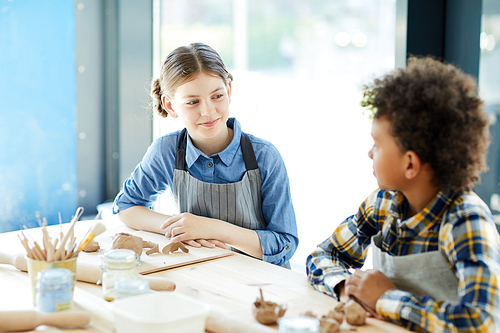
{"x":302,"y":324}
{"x":117,"y":264}
{"x":127,"y":287}
{"x":54,"y":290}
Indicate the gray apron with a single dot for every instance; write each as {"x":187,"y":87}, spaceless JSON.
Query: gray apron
{"x":423,"y":274}
{"x":239,"y":203}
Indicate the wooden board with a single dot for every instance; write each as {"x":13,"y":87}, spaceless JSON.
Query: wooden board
{"x":149,"y":264}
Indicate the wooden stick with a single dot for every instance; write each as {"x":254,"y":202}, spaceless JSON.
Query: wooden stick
{"x":25,"y":244}
{"x":36,"y":248}
{"x":61,"y":235}
{"x":60,"y":250}
{"x":46,"y":238}
{"x":50,"y":253}
{"x":98,"y":216}
{"x":41,"y":253}
{"x":39,"y":219}
{"x":71,"y":252}
{"x":36,"y":254}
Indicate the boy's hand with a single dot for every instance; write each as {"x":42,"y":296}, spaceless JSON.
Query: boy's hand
{"x":368,"y":286}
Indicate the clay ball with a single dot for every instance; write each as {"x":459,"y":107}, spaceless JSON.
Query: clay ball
{"x":91,"y":247}
{"x":123,"y":240}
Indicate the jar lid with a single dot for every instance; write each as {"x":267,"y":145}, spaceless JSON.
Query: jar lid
{"x":120,"y":259}
{"x":120,"y":255}
{"x":131,"y":285}
{"x":54,"y":276}
{"x":301,"y":324}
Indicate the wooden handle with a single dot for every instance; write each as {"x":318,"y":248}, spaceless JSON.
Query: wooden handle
{"x":64,"y":319}
{"x":16,"y":260}
{"x":18,"y":320}
{"x":218,"y":322}
{"x":29,"y":320}
{"x":159,"y":284}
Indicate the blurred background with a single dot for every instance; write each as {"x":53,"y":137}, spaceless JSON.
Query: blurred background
{"x":74,"y":80}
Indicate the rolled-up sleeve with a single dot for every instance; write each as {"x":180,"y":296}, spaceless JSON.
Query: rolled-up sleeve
{"x":150,"y":178}
{"x":280,"y":239}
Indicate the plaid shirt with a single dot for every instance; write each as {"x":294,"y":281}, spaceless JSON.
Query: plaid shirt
{"x":469,"y":241}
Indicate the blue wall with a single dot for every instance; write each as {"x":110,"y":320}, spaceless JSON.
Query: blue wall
{"x":38,"y":153}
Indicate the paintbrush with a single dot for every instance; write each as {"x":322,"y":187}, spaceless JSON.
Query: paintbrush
{"x":96,"y":229}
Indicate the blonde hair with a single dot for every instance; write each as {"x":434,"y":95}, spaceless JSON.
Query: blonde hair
{"x":182,"y":65}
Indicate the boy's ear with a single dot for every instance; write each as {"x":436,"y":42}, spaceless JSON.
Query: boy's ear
{"x":167,"y":105}
{"x":229,"y":90}
{"x":413,"y":164}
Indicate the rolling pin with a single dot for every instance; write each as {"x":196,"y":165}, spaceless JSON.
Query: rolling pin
{"x":218,"y":322}
{"x":13,"y":321}
{"x":86,"y":272}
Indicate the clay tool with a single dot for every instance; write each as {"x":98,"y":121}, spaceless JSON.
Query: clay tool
{"x":366,"y":307}
{"x":36,"y":247}
{"x":59,"y":253}
{"x":29,"y":252}
{"x":61,"y":235}
{"x":12,"y":321}
{"x":40,"y":224}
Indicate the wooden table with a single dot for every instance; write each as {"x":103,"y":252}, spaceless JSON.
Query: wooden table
{"x":229,"y":285}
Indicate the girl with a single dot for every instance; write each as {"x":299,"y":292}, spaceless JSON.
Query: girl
{"x":231,"y":188}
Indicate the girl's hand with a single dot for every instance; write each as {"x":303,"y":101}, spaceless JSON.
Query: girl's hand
{"x":192,"y":229}
{"x":210,"y":243}
{"x":367,"y":286}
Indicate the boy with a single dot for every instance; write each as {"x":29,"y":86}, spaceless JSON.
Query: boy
{"x":436,"y":252}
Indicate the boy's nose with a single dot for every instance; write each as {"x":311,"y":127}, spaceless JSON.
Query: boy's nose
{"x":370,"y":153}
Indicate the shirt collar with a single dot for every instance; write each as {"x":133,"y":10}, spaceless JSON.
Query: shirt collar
{"x":431,"y":214}
{"x":226,"y":156}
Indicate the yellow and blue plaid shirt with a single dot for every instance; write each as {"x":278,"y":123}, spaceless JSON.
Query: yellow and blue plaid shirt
{"x":469,"y":242}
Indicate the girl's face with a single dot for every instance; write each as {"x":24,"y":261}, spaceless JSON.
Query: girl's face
{"x":389,"y":163}
{"x":203,"y":106}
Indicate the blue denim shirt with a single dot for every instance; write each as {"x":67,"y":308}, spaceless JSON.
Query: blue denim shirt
{"x":154,"y":175}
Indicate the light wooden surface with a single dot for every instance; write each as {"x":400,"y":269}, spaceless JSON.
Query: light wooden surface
{"x":229,"y":285}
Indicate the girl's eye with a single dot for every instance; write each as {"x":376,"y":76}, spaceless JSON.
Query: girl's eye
{"x":218,"y":96}
{"x":192,"y":102}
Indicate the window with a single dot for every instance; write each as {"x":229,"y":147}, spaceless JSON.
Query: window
{"x":489,"y":85}
{"x":298,"y":68}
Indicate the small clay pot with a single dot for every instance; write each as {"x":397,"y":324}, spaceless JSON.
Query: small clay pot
{"x":267,"y":312}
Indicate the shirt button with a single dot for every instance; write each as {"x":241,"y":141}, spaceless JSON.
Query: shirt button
{"x":210,"y":164}
{"x":287,"y":247}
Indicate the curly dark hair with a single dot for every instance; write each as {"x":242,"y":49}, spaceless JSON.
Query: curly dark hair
{"x":435,"y":111}
{"x":181,"y":66}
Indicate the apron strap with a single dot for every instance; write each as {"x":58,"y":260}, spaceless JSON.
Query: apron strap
{"x":248,"y":152}
{"x":180,"y":153}
{"x":246,"y":149}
